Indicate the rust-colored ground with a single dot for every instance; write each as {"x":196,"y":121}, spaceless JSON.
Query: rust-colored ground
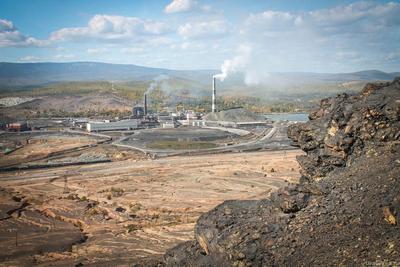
{"x":133,"y":208}
{"x":41,"y":146}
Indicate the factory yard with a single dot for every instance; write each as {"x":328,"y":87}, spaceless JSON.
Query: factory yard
{"x":122,"y":197}
{"x":124,"y":210}
{"x":206,"y":140}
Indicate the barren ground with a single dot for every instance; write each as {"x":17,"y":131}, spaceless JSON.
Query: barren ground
{"x":122,"y":211}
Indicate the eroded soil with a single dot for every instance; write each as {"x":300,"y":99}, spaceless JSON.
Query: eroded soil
{"x":124,"y":211}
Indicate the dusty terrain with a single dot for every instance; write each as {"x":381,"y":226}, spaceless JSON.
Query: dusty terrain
{"x":125,"y":211}
{"x":33,"y":146}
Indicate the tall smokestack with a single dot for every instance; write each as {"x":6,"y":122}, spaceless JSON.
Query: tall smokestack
{"x":214,"y":97}
{"x":145,"y":104}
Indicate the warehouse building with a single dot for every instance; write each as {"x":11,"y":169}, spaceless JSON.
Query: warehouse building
{"x":112,"y":126}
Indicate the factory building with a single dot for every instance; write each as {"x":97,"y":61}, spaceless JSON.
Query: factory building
{"x":112,"y":126}
{"x":17,"y":126}
{"x":166,"y":120}
{"x":137,"y":112}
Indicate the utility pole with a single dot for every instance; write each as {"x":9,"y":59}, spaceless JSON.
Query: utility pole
{"x":16,"y":235}
{"x":66,"y":189}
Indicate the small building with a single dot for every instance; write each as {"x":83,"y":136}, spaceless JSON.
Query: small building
{"x":138,"y":112}
{"x":17,"y":126}
{"x":166,"y":120}
{"x":168,"y":124}
{"x":191,"y":115}
{"x":198,"y":123}
{"x":80,"y":122}
{"x":113,"y":126}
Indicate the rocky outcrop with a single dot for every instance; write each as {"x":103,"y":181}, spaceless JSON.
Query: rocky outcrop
{"x":343,"y":128}
{"x":346,"y":209}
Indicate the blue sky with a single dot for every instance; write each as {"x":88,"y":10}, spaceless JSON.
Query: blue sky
{"x":253,"y":37}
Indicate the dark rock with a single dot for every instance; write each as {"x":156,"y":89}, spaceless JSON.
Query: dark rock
{"x":120,"y":209}
{"x":344,"y":212}
{"x":342,"y":127}
{"x":291,"y":198}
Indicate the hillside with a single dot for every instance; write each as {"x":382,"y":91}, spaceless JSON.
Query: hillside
{"x":28,"y":74}
{"x":33,"y":74}
{"x":111,"y":88}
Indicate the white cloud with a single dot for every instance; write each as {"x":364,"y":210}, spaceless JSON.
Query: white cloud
{"x":182,"y":6}
{"x":63,"y":57}
{"x":341,"y":38}
{"x":356,"y":13}
{"x":273,"y":20}
{"x":10,"y":36}
{"x":158,"y":41}
{"x":392,"y":56}
{"x":132,"y":50}
{"x":177,"y":6}
{"x":58,"y":57}
{"x":194,"y":46}
{"x":6,"y":25}
{"x":111,"y":28}
{"x":214,"y":28}
{"x":30,"y":58}
{"x":333,"y":39}
{"x":185,"y":45}
{"x":360,"y":17}
{"x":95,"y":51}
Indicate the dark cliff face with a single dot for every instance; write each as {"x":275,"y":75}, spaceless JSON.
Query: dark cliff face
{"x":345,"y":211}
{"x":343,"y":128}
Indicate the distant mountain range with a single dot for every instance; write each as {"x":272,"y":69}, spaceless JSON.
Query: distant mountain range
{"x":26,"y":74}
{"x":37,"y":74}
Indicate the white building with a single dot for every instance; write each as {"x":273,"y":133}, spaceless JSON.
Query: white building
{"x":112,"y":126}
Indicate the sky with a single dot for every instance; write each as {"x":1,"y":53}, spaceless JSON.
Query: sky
{"x":249,"y":36}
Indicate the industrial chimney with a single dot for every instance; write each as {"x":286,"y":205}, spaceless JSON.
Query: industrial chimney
{"x":145,"y":104}
{"x":214,"y":97}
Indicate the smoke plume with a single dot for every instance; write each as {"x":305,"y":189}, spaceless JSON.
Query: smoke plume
{"x":236,"y":64}
{"x":159,"y":81}
{"x":245,"y":62}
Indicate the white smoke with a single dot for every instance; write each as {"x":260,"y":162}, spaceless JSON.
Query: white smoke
{"x":159,"y":81}
{"x":236,"y":64}
{"x":244,"y":62}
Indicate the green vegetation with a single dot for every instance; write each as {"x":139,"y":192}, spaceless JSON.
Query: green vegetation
{"x":132,"y":91}
{"x":117,"y":192}
{"x":135,"y":207}
{"x":253,"y":104}
{"x":175,"y":144}
{"x":132,"y":227}
{"x":106,"y":113}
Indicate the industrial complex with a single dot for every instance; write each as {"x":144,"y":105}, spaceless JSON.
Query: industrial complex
{"x":174,"y":132}
{"x":131,"y":185}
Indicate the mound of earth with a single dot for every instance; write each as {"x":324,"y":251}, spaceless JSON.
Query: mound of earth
{"x":235,"y":115}
{"x":344,"y":212}
{"x":73,"y":103}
